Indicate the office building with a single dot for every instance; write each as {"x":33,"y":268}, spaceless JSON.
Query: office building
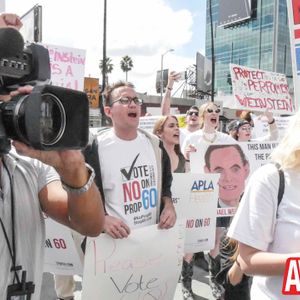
{"x":253,"y":33}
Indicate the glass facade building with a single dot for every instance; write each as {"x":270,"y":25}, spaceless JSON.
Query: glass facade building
{"x":261,"y":42}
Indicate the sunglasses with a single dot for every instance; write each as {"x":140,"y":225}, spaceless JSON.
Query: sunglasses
{"x":246,"y":128}
{"x":127,"y":101}
{"x":209,"y":110}
{"x":190,"y":113}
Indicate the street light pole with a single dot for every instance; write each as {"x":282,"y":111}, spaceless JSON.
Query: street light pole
{"x":161,"y":72}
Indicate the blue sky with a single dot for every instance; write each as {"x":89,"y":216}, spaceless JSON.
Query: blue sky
{"x":142,"y":29}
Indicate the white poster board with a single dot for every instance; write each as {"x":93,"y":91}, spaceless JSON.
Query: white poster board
{"x":67,"y":66}
{"x":146,"y":265}
{"x":234,"y":167}
{"x":61,"y":256}
{"x":195,"y":198}
{"x":259,"y":90}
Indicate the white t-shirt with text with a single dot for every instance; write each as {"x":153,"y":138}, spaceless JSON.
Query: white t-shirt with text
{"x":129,"y":178}
{"x":256,"y":224}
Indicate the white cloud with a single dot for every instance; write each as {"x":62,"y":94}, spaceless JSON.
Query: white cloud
{"x":142,"y":29}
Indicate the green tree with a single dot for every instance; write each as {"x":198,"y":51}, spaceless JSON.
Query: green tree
{"x":108,"y":67}
{"x":126,"y":65}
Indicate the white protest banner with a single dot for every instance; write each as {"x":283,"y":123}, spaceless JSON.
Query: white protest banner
{"x":293,"y":8}
{"x":261,"y":126}
{"x":146,"y":265}
{"x":234,"y":163}
{"x":259,"y":90}
{"x":195,"y":198}
{"x":61,"y":256}
{"x":147,"y":122}
{"x":67,"y":66}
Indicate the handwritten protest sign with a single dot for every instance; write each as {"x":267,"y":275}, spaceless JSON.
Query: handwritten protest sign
{"x":61,"y":256}
{"x":234,"y":163}
{"x":255,"y":89}
{"x":195,"y":198}
{"x":261,"y":126}
{"x":294,"y":26}
{"x":146,"y":265}
{"x":67,"y":66}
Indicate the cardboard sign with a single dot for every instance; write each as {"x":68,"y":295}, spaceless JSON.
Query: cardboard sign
{"x":146,"y":265}
{"x":61,"y":255}
{"x":195,"y":198}
{"x":259,"y":90}
{"x":67,"y":66}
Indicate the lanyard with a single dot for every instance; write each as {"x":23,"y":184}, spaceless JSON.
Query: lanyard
{"x":11,"y":248}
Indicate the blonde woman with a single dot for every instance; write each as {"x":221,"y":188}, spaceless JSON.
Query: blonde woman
{"x":209,"y":122}
{"x":269,"y":233}
{"x":167,"y":129}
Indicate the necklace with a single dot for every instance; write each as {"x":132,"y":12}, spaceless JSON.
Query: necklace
{"x":212,"y":140}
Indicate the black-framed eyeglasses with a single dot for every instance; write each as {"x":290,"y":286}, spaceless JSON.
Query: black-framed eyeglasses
{"x":217,"y":111}
{"x":127,"y":101}
{"x":190,"y":113}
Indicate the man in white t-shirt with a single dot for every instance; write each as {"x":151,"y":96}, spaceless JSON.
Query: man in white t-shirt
{"x":33,"y":182}
{"x":135,"y":168}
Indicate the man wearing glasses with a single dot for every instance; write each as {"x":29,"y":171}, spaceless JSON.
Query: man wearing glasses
{"x":135,"y":168}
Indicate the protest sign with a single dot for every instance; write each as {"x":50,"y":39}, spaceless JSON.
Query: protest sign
{"x":195,"y":199}
{"x":259,"y":90}
{"x":146,"y":265}
{"x":147,"y":122}
{"x":234,"y":163}
{"x":293,"y":8}
{"x":261,"y":126}
{"x":61,"y":256}
{"x":91,"y":88}
{"x":67,"y":66}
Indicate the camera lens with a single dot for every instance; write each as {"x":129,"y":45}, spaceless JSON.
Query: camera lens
{"x":50,"y":115}
{"x":53,"y":119}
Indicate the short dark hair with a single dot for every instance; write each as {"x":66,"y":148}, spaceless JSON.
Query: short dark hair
{"x":211,"y":148}
{"x":193,"y":107}
{"x":110,"y":88}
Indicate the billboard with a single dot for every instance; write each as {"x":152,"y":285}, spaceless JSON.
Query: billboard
{"x":32,"y":24}
{"x":233,"y":11}
{"x":158,"y":80}
{"x":203,"y":73}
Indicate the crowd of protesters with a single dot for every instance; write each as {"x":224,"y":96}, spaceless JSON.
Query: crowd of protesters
{"x":60,"y":184}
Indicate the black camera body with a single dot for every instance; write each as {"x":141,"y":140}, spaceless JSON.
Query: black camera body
{"x":50,"y":117}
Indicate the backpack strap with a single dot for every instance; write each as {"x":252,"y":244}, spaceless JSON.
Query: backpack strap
{"x":281,"y":185}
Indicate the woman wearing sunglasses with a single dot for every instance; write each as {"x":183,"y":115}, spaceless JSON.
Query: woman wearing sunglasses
{"x":209,"y":122}
{"x":242,"y":130}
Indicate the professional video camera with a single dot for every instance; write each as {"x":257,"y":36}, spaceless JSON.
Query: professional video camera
{"x":50,"y":117}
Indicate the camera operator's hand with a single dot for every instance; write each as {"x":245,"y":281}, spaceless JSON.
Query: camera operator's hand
{"x":10,"y":20}
{"x":69,"y":164}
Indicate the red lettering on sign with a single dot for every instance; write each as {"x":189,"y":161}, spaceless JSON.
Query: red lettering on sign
{"x":291,"y":279}
{"x":296,"y":11}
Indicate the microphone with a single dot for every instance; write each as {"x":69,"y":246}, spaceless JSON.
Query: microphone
{"x":11,"y":42}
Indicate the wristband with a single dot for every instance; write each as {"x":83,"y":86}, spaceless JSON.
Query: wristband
{"x":170,"y":89}
{"x":272,"y":122}
{"x":83,"y":189}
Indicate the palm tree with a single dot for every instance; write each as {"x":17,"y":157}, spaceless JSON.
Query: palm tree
{"x":108,"y":67}
{"x":126,"y":64}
